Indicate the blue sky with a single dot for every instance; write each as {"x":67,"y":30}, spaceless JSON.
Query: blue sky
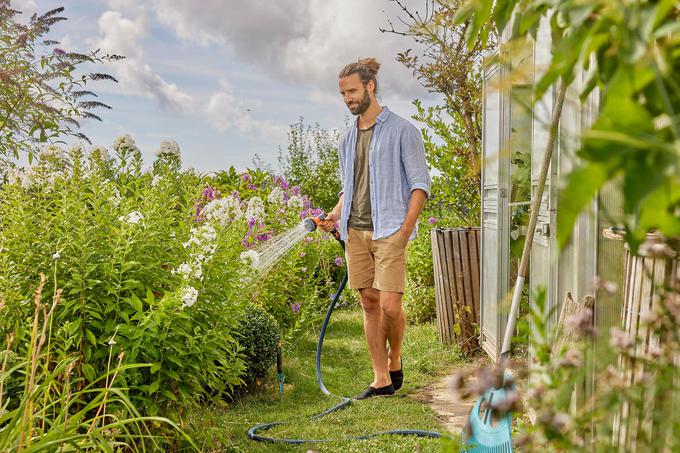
{"x":226,"y":78}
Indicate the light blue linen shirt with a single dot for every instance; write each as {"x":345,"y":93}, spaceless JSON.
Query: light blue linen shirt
{"x":396,"y":167}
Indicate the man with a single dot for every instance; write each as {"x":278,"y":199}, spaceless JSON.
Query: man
{"x":385,"y":183}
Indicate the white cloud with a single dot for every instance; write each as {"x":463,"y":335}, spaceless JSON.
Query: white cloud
{"x":305,"y":41}
{"x":123,"y":36}
{"x":26,"y":6}
{"x":226,"y":111}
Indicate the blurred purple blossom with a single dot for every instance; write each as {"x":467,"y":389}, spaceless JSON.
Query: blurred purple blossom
{"x":251,"y":222}
{"x":295,"y":190}
{"x":245,"y":177}
{"x":432,"y":220}
{"x":263,"y":237}
{"x":316,"y":212}
{"x":302,"y":254}
{"x":58,"y":52}
{"x":235,"y":194}
{"x":252,"y":186}
{"x":309,"y":239}
{"x":620,"y":339}
{"x":581,"y":322}
{"x":338,"y":261}
{"x":281,"y":182}
{"x":295,"y":308}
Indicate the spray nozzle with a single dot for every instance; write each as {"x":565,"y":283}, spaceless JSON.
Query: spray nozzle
{"x":312,"y":224}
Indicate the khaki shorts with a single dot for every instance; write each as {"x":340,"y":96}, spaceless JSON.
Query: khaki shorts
{"x":379,"y":264}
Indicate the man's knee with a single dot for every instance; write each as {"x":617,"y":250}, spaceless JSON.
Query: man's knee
{"x":370,"y":299}
{"x":390,"y":304}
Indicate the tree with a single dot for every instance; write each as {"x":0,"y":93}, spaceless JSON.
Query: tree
{"x":449,"y":67}
{"x":42,"y":93}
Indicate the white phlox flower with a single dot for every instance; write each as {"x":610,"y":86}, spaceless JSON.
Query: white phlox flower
{"x":296,"y":202}
{"x":223,"y":210}
{"x":187,"y":271}
{"x":156,"y":180}
{"x":189,"y":295}
{"x":132,"y":218}
{"x":251,"y":258}
{"x":124,"y":141}
{"x":202,"y":242}
{"x":51,"y":151}
{"x":255,"y":209}
{"x":99,"y":152}
{"x":276,"y":196}
{"x":169,"y":147}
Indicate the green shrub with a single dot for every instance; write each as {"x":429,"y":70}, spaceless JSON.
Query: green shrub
{"x":419,"y":298}
{"x":259,"y":336}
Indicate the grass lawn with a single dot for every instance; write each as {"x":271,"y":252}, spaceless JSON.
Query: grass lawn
{"x":346,"y":372}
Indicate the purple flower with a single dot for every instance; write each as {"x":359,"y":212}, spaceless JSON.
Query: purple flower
{"x":432,"y":220}
{"x":245,"y":177}
{"x":235,"y":194}
{"x":295,"y":308}
{"x":295,"y":190}
{"x":302,"y":254}
{"x":306,"y":202}
{"x":338,"y":261}
{"x":251,"y":222}
{"x":252,"y":186}
{"x":263,"y":237}
{"x":58,"y":52}
{"x":316,"y":212}
{"x":309,"y":239}
{"x":304,"y":213}
{"x":209,"y":193}
{"x":281,"y":182}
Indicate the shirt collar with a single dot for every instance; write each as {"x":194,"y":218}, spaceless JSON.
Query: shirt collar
{"x":382,"y":117}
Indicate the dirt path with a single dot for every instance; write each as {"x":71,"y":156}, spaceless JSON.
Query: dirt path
{"x":444,"y":400}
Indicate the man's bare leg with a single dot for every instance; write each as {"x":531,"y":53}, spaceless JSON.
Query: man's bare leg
{"x":375,"y":335}
{"x":393,"y":324}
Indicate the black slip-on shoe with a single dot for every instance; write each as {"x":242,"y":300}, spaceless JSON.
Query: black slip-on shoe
{"x":372,"y":391}
{"x":397,"y":377}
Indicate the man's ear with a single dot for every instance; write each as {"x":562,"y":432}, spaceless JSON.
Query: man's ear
{"x":370,"y":86}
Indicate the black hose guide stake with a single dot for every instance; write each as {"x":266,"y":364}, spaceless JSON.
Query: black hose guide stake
{"x":346,"y":402}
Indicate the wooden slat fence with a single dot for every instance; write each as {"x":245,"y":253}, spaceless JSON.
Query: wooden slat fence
{"x":646,"y":278}
{"x":455,"y":256}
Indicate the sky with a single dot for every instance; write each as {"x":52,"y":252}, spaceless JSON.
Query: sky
{"x":226,"y":78}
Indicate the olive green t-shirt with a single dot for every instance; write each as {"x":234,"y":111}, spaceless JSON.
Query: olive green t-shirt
{"x":360,"y":211}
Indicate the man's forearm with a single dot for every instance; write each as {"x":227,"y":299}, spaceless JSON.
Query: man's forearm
{"x":415,"y":207}
{"x":337,"y":210}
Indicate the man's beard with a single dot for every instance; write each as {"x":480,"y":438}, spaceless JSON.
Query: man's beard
{"x":363,"y":104}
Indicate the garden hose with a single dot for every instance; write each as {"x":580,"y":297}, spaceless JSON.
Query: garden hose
{"x":311,"y":225}
{"x":279,"y":369}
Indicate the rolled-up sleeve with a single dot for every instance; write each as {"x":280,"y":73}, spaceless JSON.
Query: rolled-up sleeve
{"x":413,"y":160}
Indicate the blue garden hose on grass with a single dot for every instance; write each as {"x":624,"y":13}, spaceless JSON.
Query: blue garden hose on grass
{"x":346,"y":402}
